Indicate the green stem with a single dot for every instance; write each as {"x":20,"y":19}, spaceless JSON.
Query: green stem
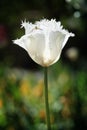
{"x":46,"y":98}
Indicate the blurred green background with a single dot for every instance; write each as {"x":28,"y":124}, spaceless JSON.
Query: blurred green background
{"x":21,"y":80}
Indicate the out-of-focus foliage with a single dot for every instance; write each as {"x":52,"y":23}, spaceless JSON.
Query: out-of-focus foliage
{"x":22,"y":99}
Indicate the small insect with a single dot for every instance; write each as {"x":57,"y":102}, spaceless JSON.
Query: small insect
{"x":35,"y":28}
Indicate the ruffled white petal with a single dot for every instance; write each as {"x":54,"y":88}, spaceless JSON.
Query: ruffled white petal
{"x":22,"y":42}
{"x":67,"y":35}
{"x":55,"y":45}
{"x":28,"y":27}
{"x":44,"y":40}
{"x":47,"y":25}
{"x":36,"y":47}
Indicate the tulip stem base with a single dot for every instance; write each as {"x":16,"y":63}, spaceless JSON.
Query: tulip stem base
{"x":46,"y":98}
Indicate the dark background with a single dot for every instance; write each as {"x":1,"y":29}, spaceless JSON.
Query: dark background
{"x":71,"y":13}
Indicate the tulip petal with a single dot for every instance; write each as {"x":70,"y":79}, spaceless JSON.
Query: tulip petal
{"x":27,"y":26}
{"x":22,"y":42}
{"x":44,"y":40}
{"x":55,"y":45}
{"x":67,"y":35}
{"x":36,"y":47}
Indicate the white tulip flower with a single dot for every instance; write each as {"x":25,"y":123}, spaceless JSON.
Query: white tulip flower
{"x":44,"y":41}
